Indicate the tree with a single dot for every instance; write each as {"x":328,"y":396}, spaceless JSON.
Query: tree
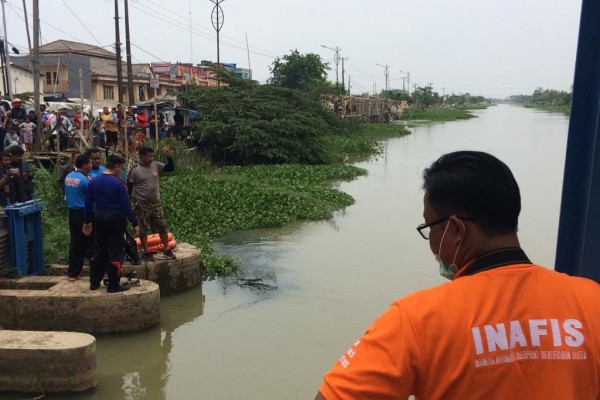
{"x":425,"y":97}
{"x":299,"y":71}
{"x":262,"y":124}
{"x":395,"y":94}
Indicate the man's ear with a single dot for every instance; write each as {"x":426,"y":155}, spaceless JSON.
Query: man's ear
{"x":459,"y":227}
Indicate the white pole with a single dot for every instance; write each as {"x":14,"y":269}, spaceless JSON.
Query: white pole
{"x":7,"y":52}
{"x":56,"y":79}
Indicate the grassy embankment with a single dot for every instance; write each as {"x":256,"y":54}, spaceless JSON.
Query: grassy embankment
{"x":563,"y":108}
{"x":202,"y":202}
{"x":438,"y":114}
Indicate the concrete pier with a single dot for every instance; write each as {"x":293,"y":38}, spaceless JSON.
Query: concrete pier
{"x":47,"y":362}
{"x":172,"y":276}
{"x":51,"y":303}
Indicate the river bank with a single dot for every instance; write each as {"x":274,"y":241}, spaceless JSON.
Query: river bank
{"x":562,"y":108}
{"x":330,"y":279}
{"x":203,"y":202}
{"x":439,"y":114}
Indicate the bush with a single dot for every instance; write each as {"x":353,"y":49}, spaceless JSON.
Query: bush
{"x":262,"y":125}
{"x":55,"y":217}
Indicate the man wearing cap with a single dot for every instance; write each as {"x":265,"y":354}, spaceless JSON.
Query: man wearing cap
{"x":502,"y":328}
{"x":17,"y":113}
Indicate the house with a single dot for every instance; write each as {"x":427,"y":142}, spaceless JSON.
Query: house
{"x":61,"y":62}
{"x":21,"y":80}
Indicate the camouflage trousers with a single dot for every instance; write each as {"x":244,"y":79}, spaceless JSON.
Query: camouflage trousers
{"x":150,"y":215}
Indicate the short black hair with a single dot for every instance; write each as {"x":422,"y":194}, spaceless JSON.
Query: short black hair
{"x":144,"y":150}
{"x":5,"y":154}
{"x":92,"y":150}
{"x":113,"y":160}
{"x":477,"y":185}
{"x":16,"y":151}
{"x":81,"y":160}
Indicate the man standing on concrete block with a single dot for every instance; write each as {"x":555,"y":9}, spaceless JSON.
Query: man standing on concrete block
{"x":75,"y":185}
{"x":107,"y":195}
{"x":143,"y":185}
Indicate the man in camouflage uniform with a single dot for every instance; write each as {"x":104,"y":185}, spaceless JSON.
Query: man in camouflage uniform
{"x":142,"y":183}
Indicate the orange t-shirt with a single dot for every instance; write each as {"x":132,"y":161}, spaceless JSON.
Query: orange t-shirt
{"x":516,"y":332}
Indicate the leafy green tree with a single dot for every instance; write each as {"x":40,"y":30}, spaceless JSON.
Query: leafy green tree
{"x":395,"y":94}
{"x":262,"y":124}
{"x":425,"y":97}
{"x":543,"y":97}
{"x":550,"y":97}
{"x":299,"y":71}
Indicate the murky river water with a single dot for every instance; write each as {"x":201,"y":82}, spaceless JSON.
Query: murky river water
{"x":326,"y":281}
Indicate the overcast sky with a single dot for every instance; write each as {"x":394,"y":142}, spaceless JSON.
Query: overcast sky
{"x":485,"y":47}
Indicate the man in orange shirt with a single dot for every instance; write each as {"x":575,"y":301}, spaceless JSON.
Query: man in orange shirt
{"x":502,"y":328}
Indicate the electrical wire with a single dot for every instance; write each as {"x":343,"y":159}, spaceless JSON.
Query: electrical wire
{"x":242,"y":43}
{"x":82,"y":24}
{"x":182,"y":27}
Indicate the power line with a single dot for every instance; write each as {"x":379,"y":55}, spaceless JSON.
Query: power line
{"x":150,"y":54}
{"x":181,"y":26}
{"x":210,"y":36}
{"x":82,"y":24}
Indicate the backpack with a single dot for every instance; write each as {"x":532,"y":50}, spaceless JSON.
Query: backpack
{"x":131,"y":250}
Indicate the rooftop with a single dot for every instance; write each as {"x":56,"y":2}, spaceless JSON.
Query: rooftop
{"x":67,"y":46}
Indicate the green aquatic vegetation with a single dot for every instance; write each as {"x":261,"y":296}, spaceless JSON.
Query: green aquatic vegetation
{"x":200,"y":208}
{"x":202,"y":202}
{"x":364,"y":141}
{"x":436,"y":114}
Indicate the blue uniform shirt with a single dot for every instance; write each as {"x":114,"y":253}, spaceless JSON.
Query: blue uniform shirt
{"x":94,"y":172}
{"x":107,"y":192}
{"x":75,"y":187}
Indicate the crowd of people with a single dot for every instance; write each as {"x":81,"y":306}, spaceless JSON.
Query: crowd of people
{"x":99,"y":203}
{"x":16,"y":177}
{"x":117,"y":128}
{"x":100,"y":210}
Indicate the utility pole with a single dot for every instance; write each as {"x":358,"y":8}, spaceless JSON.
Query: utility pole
{"x":336,"y":60}
{"x":118,"y":55}
{"x":343,"y":75}
{"x":128,"y":49}
{"x":191,"y":42}
{"x":7,"y":54}
{"x":386,"y":73}
{"x":37,"y":143}
{"x":27,"y":25}
{"x":349,"y":85}
{"x":407,"y":81}
{"x":248,"y":52}
{"x":81,"y":123}
{"x":217,"y":18}
{"x":3,"y":64}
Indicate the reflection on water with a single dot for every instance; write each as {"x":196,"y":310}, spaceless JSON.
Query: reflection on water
{"x":136,"y":366}
{"x":324,"y":282}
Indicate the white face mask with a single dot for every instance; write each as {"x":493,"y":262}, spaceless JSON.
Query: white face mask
{"x":450,"y":271}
